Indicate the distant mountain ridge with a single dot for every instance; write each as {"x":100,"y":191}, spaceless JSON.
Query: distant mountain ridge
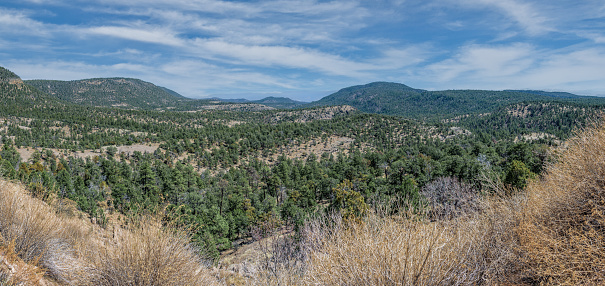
{"x":272,"y":101}
{"x":549,"y":93}
{"x":378,"y":97}
{"x":110,"y":92}
{"x":399,"y":99}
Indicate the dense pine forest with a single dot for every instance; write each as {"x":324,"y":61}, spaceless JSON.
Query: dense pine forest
{"x":223,"y":170}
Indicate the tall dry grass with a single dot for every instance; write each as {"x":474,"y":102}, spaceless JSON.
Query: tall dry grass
{"x":409,"y":251}
{"x":562,"y":225}
{"x":38,"y":236}
{"x":147,"y":253}
{"x":77,"y":253}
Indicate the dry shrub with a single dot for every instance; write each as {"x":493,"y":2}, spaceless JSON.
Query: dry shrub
{"x":39,"y":237}
{"x":450,"y":198}
{"x":562,"y":228}
{"x":282,"y":261}
{"x":147,"y":254}
{"x":13,"y":271}
{"x":395,"y":251}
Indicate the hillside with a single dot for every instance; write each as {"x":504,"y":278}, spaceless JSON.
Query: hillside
{"x":398,"y":99}
{"x":271,"y":101}
{"x":279,"y":102}
{"x":110,"y":92}
{"x":17,"y":95}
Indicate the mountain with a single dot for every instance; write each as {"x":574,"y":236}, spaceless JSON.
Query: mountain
{"x":271,"y":101}
{"x":232,"y":100}
{"x":399,"y":99}
{"x":549,"y":93}
{"x":279,"y":102}
{"x":14,"y":93}
{"x":111,"y":92}
{"x":375,"y":97}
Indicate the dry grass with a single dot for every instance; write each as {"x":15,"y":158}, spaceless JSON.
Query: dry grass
{"x":397,"y":251}
{"x":37,"y":235}
{"x":551,"y":233}
{"x":73,"y":252}
{"x":14,"y":271}
{"x":147,"y":254}
{"x":562,"y":225}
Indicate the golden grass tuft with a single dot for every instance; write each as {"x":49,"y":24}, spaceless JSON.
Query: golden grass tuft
{"x":147,"y":253}
{"x":403,"y":251}
{"x":14,"y":271}
{"x":562,"y":224}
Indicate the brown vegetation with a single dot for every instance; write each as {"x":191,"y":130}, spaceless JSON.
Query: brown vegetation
{"x":562,"y":229}
{"x":73,"y":252}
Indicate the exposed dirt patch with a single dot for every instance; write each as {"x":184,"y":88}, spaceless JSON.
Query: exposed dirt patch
{"x":331,"y":145}
{"x":26,"y":153}
{"x":302,"y":116}
{"x":237,"y":107}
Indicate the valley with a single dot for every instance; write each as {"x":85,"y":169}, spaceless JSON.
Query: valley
{"x":256,"y":174}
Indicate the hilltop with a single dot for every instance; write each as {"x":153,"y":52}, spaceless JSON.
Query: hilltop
{"x":271,"y":101}
{"x":16,"y":95}
{"x":399,"y":99}
{"x":110,"y":92}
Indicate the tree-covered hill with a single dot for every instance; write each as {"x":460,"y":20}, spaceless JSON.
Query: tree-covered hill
{"x":279,"y":102}
{"x":6,"y":75}
{"x":399,"y":99}
{"x":111,"y":92}
{"x":271,"y":101}
{"x":17,"y":95}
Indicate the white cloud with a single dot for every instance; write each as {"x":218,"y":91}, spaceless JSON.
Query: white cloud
{"x":525,"y":14}
{"x":580,"y":66}
{"x":151,"y":35}
{"x":485,"y":61}
{"x":520,"y":66}
{"x":289,"y":57}
{"x":13,"y":22}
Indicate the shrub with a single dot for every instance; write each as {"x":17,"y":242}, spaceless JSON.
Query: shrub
{"x":449,"y":198}
{"x":394,"y":251}
{"x":147,"y":254}
{"x":562,"y":231}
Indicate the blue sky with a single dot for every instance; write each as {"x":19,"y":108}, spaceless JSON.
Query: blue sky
{"x":307,"y":49}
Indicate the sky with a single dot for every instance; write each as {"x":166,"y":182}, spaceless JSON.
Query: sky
{"x":308,"y":49}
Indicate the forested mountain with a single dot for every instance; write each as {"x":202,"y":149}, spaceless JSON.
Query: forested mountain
{"x":550,"y":93}
{"x":17,"y":95}
{"x":279,"y":102}
{"x":111,"y":92}
{"x":275,"y":102}
{"x":398,"y":99}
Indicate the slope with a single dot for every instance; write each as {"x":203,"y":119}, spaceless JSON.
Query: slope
{"x":279,"y":102}
{"x":111,"y":92}
{"x":17,"y":95}
{"x":399,"y":99}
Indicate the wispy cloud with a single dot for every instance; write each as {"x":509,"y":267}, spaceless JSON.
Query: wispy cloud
{"x":16,"y":22}
{"x":150,"y":35}
{"x":523,"y":13}
{"x":484,"y":61}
